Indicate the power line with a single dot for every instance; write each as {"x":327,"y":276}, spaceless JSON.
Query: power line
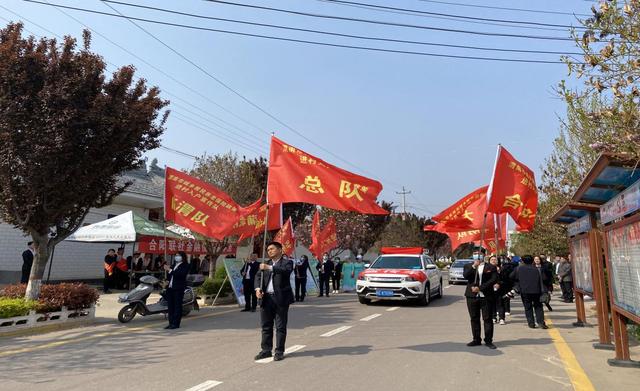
{"x":177,"y":152}
{"x":503,"y":8}
{"x":455,"y":16}
{"x":378,"y":22}
{"x":365,"y":48}
{"x":340,"y":34}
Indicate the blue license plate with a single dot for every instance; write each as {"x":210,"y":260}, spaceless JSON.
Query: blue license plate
{"x":384,"y":293}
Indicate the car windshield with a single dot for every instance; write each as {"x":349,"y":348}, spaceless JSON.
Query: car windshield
{"x":397,"y":262}
{"x":460,"y":264}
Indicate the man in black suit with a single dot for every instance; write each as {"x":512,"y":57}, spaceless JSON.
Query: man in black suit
{"x":175,"y":292}
{"x":273,"y":287}
{"x":325,"y":270}
{"x":531,"y":283}
{"x":300,"y":269}
{"x":248,"y":272}
{"x":481,"y":277}
{"x":27,"y":262}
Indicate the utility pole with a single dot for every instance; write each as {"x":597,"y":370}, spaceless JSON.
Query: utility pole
{"x":404,"y":201}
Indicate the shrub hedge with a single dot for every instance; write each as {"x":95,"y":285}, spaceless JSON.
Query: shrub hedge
{"x":53,"y":297}
{"x":210,"y":286}
{"x":16,"y":307}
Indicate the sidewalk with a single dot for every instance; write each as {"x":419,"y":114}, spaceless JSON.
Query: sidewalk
{"x":593,"y":361}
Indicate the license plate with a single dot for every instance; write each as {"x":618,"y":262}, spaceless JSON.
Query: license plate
{"x":384,"y":293}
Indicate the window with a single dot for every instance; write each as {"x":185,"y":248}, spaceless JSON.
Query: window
{"x":110,"y":216}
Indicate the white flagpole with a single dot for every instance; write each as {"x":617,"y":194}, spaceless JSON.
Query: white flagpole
{"x":493,"y":177}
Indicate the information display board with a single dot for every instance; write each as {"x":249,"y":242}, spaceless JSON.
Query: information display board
{"x":623,"y":245}
{"x":581,"y":263}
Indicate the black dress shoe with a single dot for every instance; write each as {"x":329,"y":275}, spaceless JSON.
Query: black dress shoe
{"x":278,"y":357}
{"x":245,"y":310}
{"x":544,"y":326}
{"x":490,"y":345}
{"x":532,"y":326}
{"x":262,"y":355}
{"x":170,"y":327}
{"x":474,"y":343}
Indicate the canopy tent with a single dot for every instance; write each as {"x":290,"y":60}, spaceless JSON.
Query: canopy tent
{"x":125,"y":228}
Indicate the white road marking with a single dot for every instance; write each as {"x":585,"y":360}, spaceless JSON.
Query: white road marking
{"x":448,"y":286}
{"x":392,"y":309}
{"x":292,"y":349}
{"x":336,"y":331}
{"x":209,"y":384}
{"x":370,"y":317}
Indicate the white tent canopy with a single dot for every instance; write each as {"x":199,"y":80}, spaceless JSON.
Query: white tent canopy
{"x":124,"y":228}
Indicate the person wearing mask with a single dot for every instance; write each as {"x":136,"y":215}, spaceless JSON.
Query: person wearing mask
{"x":506,"y":285}
{"x":337,"y":274}
{"x":27,"y":261}
{"x":547,"y":277}
{"x":109,"y":269}
{"x":481,"y":278}
{"x":493,"y":301}
{"x":204,"y":266}
{"x":300,"y":273}
{"x":273,"y":287}
{"x":325,"y":268}
{"x":566,"y":281}
{"x":529,"y":279}
{"x":248,"y":272}
{"x":177,"y":276}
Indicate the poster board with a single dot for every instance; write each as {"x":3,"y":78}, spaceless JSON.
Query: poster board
{"x":581,"y":264}
{"x":623,"y":253}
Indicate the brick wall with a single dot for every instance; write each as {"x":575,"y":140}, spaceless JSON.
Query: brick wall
{"x":71,"y":260}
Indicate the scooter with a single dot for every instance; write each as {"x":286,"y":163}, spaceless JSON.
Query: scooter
{"x":136,"y":299}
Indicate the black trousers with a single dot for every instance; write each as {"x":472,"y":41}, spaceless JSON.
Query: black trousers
{"x":107,"y":283}
{"x":531,"y":302}
{"x":503,"y":306}
{"x":477,"y":306}
{"x":271,"y":313}
{"x":250,"y":299}
{"x":26,"y":271}
{"x":567,"y":290}
{"x":336,"y":281}
{"x":174,"y":299}
{"x":324,"y":284}
{"x":301,"y":288}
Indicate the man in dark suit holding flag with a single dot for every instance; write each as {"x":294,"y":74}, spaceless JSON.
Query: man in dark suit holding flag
{"x":273,"y":287}
{"x":248,"y":272}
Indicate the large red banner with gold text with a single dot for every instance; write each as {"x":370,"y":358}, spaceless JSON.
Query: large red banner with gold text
{"x":286,"y":237}
{"x":252,"y":223}
{"x":296,"y":176}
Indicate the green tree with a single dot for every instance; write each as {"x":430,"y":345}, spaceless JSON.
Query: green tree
{"x":66,"y":133}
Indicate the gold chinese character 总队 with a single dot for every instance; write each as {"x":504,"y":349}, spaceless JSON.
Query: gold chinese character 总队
{"x":312,"y":184}
{"x":513,"y":201}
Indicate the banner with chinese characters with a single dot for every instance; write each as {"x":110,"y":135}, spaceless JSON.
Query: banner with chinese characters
{"x":315,"y":235}
{"x":198,"y":206}
{"x":467,"y":212}
{"x":461,"y":236}
{"x":156,"y":245}
{"x":621,"y":205}
{"x":252,"y":223}
{"x":296,"y":176}
{"x":287,"y":238}
{"x":513,"y":190}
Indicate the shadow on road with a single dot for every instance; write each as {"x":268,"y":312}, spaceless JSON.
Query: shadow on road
{"x":453,"y":347}
{"x":336,"y":351}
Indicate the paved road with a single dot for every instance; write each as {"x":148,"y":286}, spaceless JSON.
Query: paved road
{"x":374,"y":347}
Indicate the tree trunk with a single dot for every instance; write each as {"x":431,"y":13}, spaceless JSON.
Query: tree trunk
{"x":38,"y":267}
{"x":212,"y":267}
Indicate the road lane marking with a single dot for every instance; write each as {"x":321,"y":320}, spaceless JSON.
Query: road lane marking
{"x":370,"y":317}
{"x":392,"y":309}
{"x":448,"y":286}
{"x":209,"y":384}
{"x":336,"y":331}
{"x":578,"y":377}
{"x":292,"y":349}
{"x":122,"y":330}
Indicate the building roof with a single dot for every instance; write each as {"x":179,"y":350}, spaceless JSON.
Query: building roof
{"x":145,"y":182}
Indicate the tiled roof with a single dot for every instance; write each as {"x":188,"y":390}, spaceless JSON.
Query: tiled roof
{"x":149,"y":183}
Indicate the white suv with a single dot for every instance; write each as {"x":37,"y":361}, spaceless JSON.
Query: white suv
{"x":400,"y":276}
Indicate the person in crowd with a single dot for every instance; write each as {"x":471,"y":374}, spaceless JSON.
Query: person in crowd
{"x":325,"y":268}
{"x":122,"y":270}
{"x":273,"y":287}
{"x":27,"y":261}
{"x":138,"y":262}
{"x":529,"y":279}
{"x":507,"y":266}
{"x":300,"y":270}
{"x":548,"y":267}
{"x":159,"y":262}
{"x":481,"y":279}
{"x":177,"y":276}
{"x":109,"y":270}
{"x":204,"y":265}
{"x":248,"y":272}
{"x":566,"y":281}
{"x":194,"y":265}
{"x":337,"y":274}
{"x":147,"y":262}
{"x":493,"y":301}
{"x":547,"y":277}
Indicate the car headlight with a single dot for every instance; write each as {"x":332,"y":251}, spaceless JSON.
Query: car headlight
{"x":409,"y":279}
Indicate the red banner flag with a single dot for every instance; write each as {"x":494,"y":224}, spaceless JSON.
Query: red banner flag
{"x":315,"y":235}
{"x":329,"y":236}
{"x":296,"y":176}
{"x":287,"y":238}
{"x":253,"y":220}
{"x":513,"y":190}
{"x":468,"y":212}
{"x":460,"y":236}
{"x":198,"y":206}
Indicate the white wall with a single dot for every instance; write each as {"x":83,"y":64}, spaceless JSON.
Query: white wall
{"x":72,"y":260}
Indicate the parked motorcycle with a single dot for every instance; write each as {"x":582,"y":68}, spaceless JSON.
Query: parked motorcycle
{"x":136,"y":299}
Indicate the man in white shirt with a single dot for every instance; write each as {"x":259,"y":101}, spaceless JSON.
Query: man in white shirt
{"x":273,"y":288}
{"x":481,"y":277}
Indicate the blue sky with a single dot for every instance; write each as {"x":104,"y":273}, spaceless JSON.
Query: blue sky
{"x":429,"y":124}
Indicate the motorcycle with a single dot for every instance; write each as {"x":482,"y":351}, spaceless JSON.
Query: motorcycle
{"x":136,"y":299}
